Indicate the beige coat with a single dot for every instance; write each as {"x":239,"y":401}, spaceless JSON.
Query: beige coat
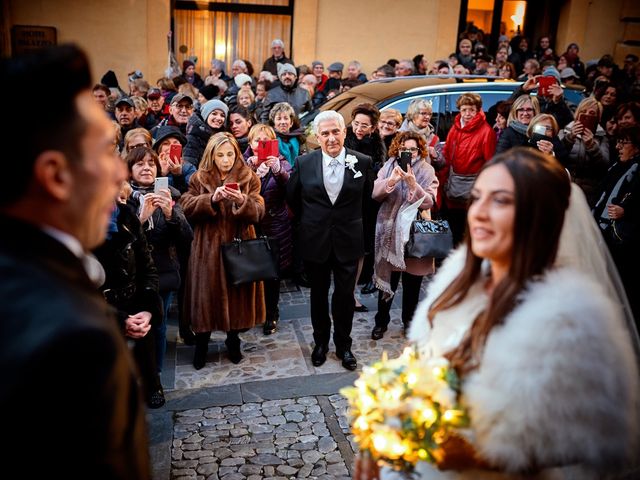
{"x":209,"y":302}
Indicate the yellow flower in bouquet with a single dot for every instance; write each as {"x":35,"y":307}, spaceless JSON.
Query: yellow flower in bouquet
{"x":402,"y":409}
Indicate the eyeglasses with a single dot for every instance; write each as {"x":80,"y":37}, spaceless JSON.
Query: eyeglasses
{"x":525,"y":110}
{"x":388,"y":124}
{"x":623,"y":142}
{"x":137,"y":145}
{"x":360,"y":125}
{"x":425,"y":113}
{"x":411,"y":149}
{"x":183,"y":107}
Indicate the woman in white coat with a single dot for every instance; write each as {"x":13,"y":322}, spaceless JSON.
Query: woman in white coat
{"x":548,"y":367}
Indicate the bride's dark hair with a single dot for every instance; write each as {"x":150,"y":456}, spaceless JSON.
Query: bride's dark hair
{"x":542,"y":190}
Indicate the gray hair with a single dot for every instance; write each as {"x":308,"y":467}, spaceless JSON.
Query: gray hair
{"x":325,"y":116}
{"x":282,"y":107}
{"x":356,"y":64}
{"x":409,"y":65}
{"x":241,"y":64}
{"x":218,"y":64}
{"x":277,"y":42}
{"x":416,"y":105}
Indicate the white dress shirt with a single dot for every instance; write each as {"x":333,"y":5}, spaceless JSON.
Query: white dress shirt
{"x":333,"y":180}
{"x":91,"y":264}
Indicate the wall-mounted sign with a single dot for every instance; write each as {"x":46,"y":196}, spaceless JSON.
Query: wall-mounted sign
{"x":27,"y":38}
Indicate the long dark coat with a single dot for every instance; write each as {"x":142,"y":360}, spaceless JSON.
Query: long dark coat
{"x":210,"y":303}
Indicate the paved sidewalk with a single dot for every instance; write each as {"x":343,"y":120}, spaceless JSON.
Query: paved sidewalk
{"x":272,"y":416}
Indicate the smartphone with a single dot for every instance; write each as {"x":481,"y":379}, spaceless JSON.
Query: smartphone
{"x":404,"y":160}
{"x":267,"y":148}
{"x":161,"y":183}
{"x":589,"y":121}
{"x":544,"y":83}
{"x":175,"y":152}
{"x":232,"y":186}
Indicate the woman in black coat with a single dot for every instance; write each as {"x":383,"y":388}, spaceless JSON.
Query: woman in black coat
{"x":363,"y":137}
{"x":523,"y":110}
{"x":131,"y":286}
{"x":617,"y":212}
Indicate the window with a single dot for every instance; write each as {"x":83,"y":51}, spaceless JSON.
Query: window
{"x":229,"y":31}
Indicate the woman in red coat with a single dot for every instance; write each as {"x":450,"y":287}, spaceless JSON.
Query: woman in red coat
{"x":471,"y":143}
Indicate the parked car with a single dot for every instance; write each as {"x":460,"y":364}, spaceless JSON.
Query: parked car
{"x":442,"y":91}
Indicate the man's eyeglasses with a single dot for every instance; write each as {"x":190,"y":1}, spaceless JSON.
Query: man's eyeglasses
{"x":525,"y":110}
{"x":183,"y":107}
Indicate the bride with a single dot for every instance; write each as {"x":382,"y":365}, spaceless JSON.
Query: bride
{"x":549,"y":371}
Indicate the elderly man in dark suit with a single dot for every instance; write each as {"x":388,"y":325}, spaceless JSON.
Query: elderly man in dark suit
{"x":65,"y":368}
{"x":327,"y":190}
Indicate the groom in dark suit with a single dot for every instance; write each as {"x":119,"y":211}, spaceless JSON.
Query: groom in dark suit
{"x":327,"y":191}
{"x":65,"y":367}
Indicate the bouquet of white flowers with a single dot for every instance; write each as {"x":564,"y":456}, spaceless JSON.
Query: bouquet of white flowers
{"x":403,"y":409}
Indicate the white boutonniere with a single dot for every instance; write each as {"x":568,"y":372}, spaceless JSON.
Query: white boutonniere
{"x":350,"y":162}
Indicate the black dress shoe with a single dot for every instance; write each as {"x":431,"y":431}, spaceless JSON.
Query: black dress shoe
{"x":319,"y":355}
{"x":348,"y":360}
{"x":302,"y":280}
{"x":370,"y":287}
{"x":378,"y":332}
{"x":269,"y":327}
{"x":156,"y":399}
{"x":200,"y":356}
{"x":361,"y":308}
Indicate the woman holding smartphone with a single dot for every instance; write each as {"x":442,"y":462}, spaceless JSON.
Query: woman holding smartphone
{"x":543,"y":135}
{"x":588,"y":147}
{"x":223,"y":201}
{"x":273,"y":172}
{"x":400,"y":183}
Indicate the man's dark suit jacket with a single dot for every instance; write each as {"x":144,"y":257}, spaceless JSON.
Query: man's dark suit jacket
{"x":325,"y":227}
{"x":68,"y":389}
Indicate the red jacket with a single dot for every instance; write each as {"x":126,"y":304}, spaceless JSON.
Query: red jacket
{"x":468,"y":148}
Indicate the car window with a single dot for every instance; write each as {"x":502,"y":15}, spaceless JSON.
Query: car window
{"x":402,"y":104}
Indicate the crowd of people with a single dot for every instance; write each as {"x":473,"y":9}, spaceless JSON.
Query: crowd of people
{"x":595,"y":142}
{"x":334,"y":212}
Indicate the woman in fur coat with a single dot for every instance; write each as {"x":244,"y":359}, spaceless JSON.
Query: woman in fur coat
{"x":217,"y":213}
{"x":548,"y":370}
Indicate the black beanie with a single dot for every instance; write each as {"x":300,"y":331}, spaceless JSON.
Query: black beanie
{"x":210,"y":91}
{"x":109,"y":79}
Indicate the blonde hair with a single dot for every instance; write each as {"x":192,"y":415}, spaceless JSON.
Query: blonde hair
{"x":141,"y":104}
{"x":586,"y":104}
{"x":188,"y":89}
{"x":247,"y":92}
{"x":132,"y":133}
{"x":539,"y":118}
{"x":392,"y":114}
{"x":259,"y":128}
{"x":208,"y":163}
{"x":519,"y":102}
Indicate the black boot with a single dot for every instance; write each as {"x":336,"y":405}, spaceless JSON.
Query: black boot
{"x":202,"y":347}
{"x":233,"y":346}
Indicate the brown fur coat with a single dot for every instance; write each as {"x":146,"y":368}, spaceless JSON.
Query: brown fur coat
{"x":209,"y":302}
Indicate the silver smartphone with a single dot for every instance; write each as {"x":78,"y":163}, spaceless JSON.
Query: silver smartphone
{"x":161,"y":183}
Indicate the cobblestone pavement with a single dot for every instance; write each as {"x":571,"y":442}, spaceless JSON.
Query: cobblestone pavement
{"x":274,"y":415}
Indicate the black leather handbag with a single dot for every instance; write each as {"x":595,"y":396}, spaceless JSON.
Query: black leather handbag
{"x":247,"y":261}
{"x":429,"y":238}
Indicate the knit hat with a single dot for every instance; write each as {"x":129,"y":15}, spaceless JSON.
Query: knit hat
{"x":336,"y":67}
{"x":186,"y":64}
{"x":168,"y":131}
{"x":212,"y":105}
{"x":568,"y":73}
{"x":286,"y":67}
{"x":552,"y":72}
{"x":210,"y":91}
{"x":315,"y":63}
{"x":110,"y":80}
{"x":241,"y":79}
